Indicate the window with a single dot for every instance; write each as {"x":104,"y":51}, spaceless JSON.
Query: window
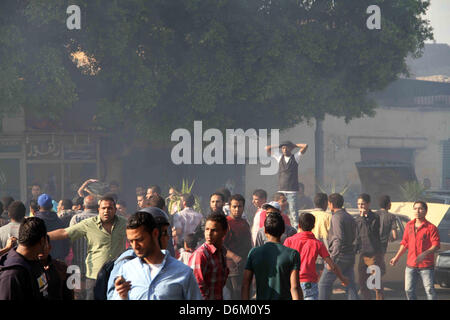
{"x":446,"y":164}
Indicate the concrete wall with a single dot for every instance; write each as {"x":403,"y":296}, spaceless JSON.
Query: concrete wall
{"x":420,"y":128}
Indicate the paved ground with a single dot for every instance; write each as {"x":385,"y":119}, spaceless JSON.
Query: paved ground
{"x":396,"y":292}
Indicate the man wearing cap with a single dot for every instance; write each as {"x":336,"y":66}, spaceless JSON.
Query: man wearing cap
{"x":60,"y":248}
{"x":154,"y":274}
{"x":288,"y":172}
{"x":274,"y":207}
{"x":105,"y":236}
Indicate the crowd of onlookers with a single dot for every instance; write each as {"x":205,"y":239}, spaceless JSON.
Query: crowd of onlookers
{"x":167,"y":248}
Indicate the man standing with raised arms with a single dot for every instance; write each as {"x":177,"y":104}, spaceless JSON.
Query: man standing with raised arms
{"x":288,"y":173}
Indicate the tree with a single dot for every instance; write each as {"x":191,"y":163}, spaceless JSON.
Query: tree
{"x":230,"y":63}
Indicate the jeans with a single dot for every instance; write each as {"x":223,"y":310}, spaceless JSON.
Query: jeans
{"x":411,"y":277}
{"x":292,"y":201}
{"x":310,"y":290}
{"x":328,"y":277}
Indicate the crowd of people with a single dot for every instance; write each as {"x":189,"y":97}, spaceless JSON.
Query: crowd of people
{"x":168,"y":250}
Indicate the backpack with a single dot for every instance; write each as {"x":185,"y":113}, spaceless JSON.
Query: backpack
{"x":101,"y":284}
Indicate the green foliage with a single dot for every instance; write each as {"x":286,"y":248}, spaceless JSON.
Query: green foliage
{"x":185,"y":188}
{"x":230,"y":63}
{"x":412,"y":191}
{"x":333,"y":189}
{"x":33,"y":60}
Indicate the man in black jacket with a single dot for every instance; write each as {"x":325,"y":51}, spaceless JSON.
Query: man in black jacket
{"x":368,"y":244}
{"x":60,"y":248}
{"x":341,"y":239}
{"x":21,"y":275}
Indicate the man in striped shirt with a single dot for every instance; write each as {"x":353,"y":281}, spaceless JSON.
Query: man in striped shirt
{"x":208,"y":261}
{"x":79,"y":246}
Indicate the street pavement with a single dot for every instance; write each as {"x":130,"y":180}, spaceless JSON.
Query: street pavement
{"x":397,"y":292}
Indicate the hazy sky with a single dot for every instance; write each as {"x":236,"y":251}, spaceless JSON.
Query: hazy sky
{"x":439,"y":16}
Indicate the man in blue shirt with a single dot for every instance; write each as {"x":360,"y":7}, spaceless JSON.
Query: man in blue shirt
{"x":153,"y":274}
{"x":165,"y":243}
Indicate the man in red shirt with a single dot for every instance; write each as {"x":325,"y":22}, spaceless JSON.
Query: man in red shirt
{"x":208,"y":261}
{"x":421,"y":239}
{"x":309,"y":248}
{"x":238,"y":243}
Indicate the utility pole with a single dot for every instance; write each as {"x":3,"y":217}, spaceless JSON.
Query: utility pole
{"x":318,"y":149}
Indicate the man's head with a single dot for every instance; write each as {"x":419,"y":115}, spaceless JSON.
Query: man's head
{"x":16,"y":211}
{"x":142,"y":233}
{"x":36,"y":190}
{"x":259,"y":198}
{"x":114,"y":187}
{"x":121,"y":207}
{"x":237,"y":204}
{"x":6,"y":201}
{"x":363,"y":203}
{"x":140,"y":200}
{"x":34,"y":207}
{"x":107,"y":209}
{"x":140,"y":190}
{"x":306,"y":221}
{"x":90,"y":203}
{"x":43,"y":256}
{"x":33,"y":236}
{"x":162,"y":224}
{"x":420,"y":209}
{"x":272,"y":207}
{"x":321,"y":201}
{"x":274,"y":225}
{"x":45,"y":202}
{"x":172,"y":192}
{"x":216,"y":202}
{"x":66,"y":204}
{"x":155,"y":201}
{"x":153,"y":190}
{"x":286,"y":148}
{"x":190,"y":241}
{"x":112,"y":195}
{"x":164,"y":232}
{"x":384,"y":202}
{"x":335,"y":201}
{"x":77,"y":203}
{"x":301,"y":189}
{"x":187,"y":200}
{"x":282,"y":200}
{"x":226,"y":194}
{"x":216,"y":228}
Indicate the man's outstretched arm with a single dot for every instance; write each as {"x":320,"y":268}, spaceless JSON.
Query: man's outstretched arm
{"x":59,"y":234}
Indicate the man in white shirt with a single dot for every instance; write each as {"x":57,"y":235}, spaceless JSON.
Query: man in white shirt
{"x":259,"y":198}
{"x":187,"y":220}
